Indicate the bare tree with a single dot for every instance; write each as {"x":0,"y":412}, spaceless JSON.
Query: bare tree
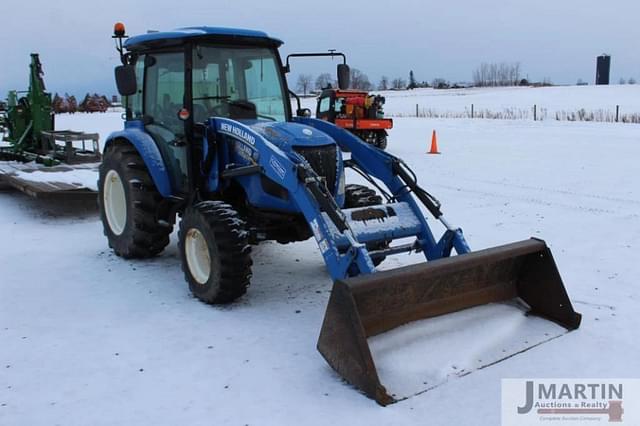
{"x":516,"y":73}
{"x":324,"y":81}
{"x":492,"y":75}
{"x":359,"y":80}
{"x":304,"y":82}
{"x":398,"y":83}
{"x":384,"y":83}
{"x":632,"y":80}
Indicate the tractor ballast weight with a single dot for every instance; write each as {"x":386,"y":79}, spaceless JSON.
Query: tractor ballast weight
{"x":256,"y":177}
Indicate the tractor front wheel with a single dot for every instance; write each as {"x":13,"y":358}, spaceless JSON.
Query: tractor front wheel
{"x":215,"y":252}
{"x":381,"y":140}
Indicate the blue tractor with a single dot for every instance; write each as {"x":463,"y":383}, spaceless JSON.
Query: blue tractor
{"x":210,"y":137}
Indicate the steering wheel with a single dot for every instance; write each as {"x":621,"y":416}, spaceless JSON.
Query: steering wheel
{"x":217,"y":109}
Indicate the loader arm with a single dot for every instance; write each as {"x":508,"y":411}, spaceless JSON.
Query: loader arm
{"x":395,"y":175}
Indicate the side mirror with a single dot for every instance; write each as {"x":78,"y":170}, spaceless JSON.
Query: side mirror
{"x":126,"y":80}
{"x":344,"y":76}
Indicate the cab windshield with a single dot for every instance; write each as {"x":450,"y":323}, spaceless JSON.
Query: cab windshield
{"x":238,"y":83}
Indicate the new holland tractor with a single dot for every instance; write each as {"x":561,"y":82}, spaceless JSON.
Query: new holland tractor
{"x":210,"y":137}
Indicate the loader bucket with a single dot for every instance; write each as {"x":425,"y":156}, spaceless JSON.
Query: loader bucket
{"x":368,"y":305}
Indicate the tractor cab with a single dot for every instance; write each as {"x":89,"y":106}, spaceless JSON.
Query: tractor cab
{"x":175,"y":81}
{"x":184,"y":77}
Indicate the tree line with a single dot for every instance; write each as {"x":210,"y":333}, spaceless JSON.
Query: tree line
{"x":485,"y":75}
{"x":360,"y":81}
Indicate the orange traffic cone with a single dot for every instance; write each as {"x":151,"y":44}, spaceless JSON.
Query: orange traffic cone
{"x":434,"y":144}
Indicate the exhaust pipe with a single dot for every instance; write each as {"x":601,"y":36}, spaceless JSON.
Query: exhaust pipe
{"x":369,"y":305}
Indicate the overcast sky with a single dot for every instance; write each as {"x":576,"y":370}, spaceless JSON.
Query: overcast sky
{"x":557,"y":39}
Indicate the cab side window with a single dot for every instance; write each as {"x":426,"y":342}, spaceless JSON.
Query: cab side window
{"x":164,"y":90}
{"x":325,"y":104}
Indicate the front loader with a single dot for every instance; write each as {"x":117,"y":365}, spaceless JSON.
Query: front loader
{"x":209,"y":137}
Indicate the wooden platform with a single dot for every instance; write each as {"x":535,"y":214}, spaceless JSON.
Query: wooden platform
{"x":59,"y":182}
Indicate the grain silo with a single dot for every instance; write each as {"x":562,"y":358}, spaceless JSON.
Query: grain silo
{"x":603,"y":69}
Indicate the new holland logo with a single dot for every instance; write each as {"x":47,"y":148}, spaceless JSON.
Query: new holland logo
{"x":277,"y":167}
{"x":241,"y":134}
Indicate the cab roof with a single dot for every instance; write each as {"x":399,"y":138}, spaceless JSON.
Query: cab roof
{"x":183,"y":34}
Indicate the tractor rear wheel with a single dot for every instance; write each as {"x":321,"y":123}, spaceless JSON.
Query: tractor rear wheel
{"x":363,"y":196}
{"x":215,"y":252}
{"x":129,"y":202}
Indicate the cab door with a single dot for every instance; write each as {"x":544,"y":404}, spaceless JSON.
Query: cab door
{"x":164,"y":97}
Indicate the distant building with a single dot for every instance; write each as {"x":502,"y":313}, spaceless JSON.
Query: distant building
{"x":603,"y":68}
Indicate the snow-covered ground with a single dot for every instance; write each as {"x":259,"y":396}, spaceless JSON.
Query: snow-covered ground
{"x":89,"y":338}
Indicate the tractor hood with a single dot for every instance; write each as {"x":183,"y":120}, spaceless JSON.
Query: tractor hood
{"x":288,"y":135}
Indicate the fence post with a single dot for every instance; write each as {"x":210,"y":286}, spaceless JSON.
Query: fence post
{"x":416,"y":110}
{"x":535,"y":113}
{"x":471,"y":110}
{"x":617,"y":112}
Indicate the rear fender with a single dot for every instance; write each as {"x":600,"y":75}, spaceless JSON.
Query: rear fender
{"x":145,"y":145}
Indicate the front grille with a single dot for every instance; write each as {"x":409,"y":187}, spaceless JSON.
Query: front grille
{"x":323,"y":160}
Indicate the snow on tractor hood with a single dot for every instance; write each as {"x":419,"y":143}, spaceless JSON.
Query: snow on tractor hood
{"x":288,"y":135}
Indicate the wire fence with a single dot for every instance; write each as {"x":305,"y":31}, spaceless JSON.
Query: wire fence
{"x":535,"y":113}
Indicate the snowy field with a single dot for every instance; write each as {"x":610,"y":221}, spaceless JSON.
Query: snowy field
{"x":519,"y":100}
{"x":89,"y":338}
